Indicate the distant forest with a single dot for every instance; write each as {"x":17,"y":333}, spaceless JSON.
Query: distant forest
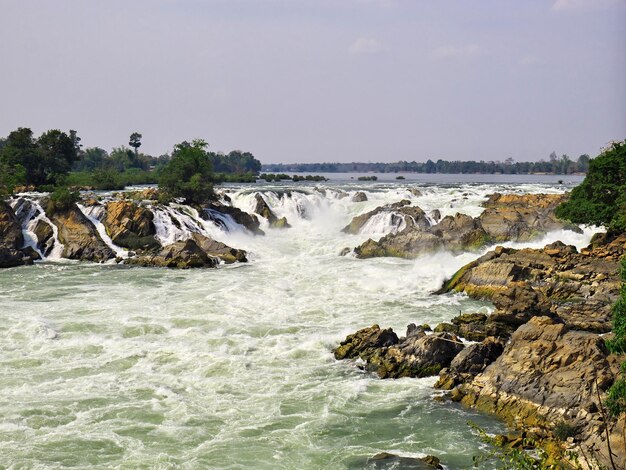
{"x":562,"y":165}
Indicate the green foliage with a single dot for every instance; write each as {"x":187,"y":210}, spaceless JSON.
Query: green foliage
{"x":368,"y":178}
{"x":616,"y":400}
{"x":189,"y":174}
{"x":44,"y":160}
{"x":564,"y":430}
{"x":62,"y":199}
{"x":10,"y":177}
{"x":601,"y":198}
{"x":135,"y":141}
{"x":618,"y":343}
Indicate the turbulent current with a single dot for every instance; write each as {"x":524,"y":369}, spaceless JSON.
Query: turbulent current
{"x":105,"y":366}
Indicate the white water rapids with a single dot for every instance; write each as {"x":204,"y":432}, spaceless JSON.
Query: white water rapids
{"x":104,"y":366}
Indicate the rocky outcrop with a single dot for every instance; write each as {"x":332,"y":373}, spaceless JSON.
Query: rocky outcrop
{"x":399,"y":211}
{"x":249,"y":221}
{"x":522,"y":217}
{"x":130,"y":225}
{"x":264,"y":210}
{"x":219,"y":250}
{"x":182,"y":255}
{"x":359,"y":196}
{"x":505,"y":218}
{"x":416,"y":355}
{"x":549,"y":374}
{"x":578,"y":288}
{"x":11,"y":240}
{"x":79,"y":237}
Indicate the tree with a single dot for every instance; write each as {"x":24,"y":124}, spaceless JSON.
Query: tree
{"x":189,"y":173}
{"x":601,"y":198}
{"x":135,"y":142}
{"x":56,"y":153}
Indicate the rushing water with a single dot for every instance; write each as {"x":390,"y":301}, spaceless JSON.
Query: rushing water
{"x":103,"y":366}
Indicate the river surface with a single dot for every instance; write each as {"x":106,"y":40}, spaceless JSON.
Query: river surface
{"x":103,"y":366}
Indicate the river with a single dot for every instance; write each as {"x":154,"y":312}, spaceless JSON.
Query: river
{"x":105,"y":366}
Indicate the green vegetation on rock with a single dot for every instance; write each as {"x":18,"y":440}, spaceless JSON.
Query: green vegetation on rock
{"x":601,"y":198}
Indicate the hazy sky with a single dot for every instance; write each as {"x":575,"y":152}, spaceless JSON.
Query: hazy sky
{"x":321,"y":80}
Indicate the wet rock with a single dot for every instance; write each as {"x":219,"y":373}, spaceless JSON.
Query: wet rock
{"x":130,"y":225}
{"x":219,"y":250}
{"x":385,"y":460}
{"x":345,"y":251}
{"x":415,"y":192}
{"x":182,"y":255}
{"x":416,"y":355}
{"x":359,"y":196}
{"x":506,"y":217}
{"x":435,"y":215}
{"x":398,"y":211}
{"x":10,"y":228}
{"x":365,"y":342}
{"x":79,"y":237}
{"x":264,"y":210}
{"x":45,"y":236}
{"x":249,"y":221}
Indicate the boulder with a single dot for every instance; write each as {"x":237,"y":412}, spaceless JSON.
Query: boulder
{"x":249,"y":221}
{"x":130,"y":225}
{"x":522,"y":217}
{"x":359,"y":196}
{"x":10,"y":228}
{"x":387,"y":461}
{"x":79,"y":237}
{"x":264,"y":210}
{"x":415,"y":355}
{"x":182,"y":255}
{"x":219,"y":250}
{"x":402,"y":210}
{"x":45,"y":236}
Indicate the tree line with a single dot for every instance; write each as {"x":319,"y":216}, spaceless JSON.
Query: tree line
{"x":562,"y":165}
{"x":58,"y":158}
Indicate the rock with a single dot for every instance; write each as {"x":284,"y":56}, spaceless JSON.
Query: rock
{"x":506,"y":217}
{"x":435,"y":215}
{"x":364,"y":342}
{"x":345,"y":251}
{"x":385,"y":460}
{"x":182,"y":255}
{"x":249,"y":221}
{"x":470,"y":362}
{"x":11,"y":239}
{"x":415,"y":192}
{"x":578,"y":288}
{"x":10,"y":228}
{"x":548,"y":373}
{"x":130,"y":225}
{"x":263,"y":209}
{"x":416,"y":355}
{"x":399,"y":211}
{"x":219,"y":250}
{"x":359,"y":196}
{"x":522,"y":217}
{"x":45,"y":236}
{"x":79,"y":236}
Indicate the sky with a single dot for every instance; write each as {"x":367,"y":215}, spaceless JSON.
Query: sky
{"x":321,"y":80}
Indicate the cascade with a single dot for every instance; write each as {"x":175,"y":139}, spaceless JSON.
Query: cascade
{"x":94,"y":214}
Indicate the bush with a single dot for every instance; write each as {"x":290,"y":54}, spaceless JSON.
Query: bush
{"x":62,"y":199}
{"x":601,"y":198}
{"x":564,"y":430}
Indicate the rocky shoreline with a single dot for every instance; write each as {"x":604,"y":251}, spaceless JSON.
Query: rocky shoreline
{"x":538,"y":361}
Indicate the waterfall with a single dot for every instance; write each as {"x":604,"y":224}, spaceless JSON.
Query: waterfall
{"x":35,"y":213}
{"x":383,"y":223}
{"x":94,"y":214}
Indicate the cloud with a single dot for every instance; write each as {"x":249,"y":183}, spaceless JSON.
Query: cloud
{"x":365,"y":46}
{"x":467,"y":51}
{"x":566,"y":5}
